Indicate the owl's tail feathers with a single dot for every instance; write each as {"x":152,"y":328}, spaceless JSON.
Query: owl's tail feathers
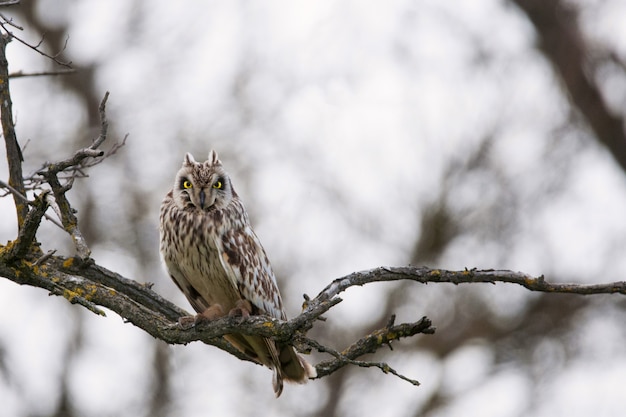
{"x":293,"y":368}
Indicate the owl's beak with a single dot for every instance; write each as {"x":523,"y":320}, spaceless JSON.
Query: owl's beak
{"x":202,"y":198}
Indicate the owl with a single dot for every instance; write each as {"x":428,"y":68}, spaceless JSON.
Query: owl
{"x":214,"y":257}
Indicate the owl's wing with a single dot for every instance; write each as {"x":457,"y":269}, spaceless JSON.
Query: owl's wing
{"x":195,"y":299}
{"x":249,"y":269}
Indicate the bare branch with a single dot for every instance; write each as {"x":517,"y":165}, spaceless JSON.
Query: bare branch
{"x":90,"y":285}
{"x":44,"y":257}
{"x":104,"y":123}
{"x":14,"y":153}
{"x":21,"y":74}
{"x":328,"y":367}
{"x":68,"y":219}
{"x":426,"y":275}
{"x":50,"y":172}
{"x":26,"y":236}
{"x":10,"y":22}
{"x":370,"y":344}
{"x":116,"y":146}
{"x":5,"y":3}
{"x":4,"y":22}
{"x":25,"y":200}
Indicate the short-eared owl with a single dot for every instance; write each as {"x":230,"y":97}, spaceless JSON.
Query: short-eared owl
{"x":217,"y":261}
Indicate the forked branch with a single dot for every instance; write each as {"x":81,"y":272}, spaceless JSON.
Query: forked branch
{"x":6,"y":22}
{"x":73,"y":164}
{"x":92,"y":286}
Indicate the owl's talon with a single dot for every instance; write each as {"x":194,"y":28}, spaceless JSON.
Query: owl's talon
{"x":187,"y":322}
{"x":214,"y":312}
{"x":243,"y":308}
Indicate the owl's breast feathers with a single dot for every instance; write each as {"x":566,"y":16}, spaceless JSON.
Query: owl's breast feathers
{"x":216,"y":258}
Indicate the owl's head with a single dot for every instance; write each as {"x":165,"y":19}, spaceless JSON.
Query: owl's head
{"x":202,"y":185}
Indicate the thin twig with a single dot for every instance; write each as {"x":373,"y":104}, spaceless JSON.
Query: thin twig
{"x":424,"y":275}
{"x":50,"y":172}
{"x":116,"y":146}
{"x":5,"y":3}
{"x":3,"y":25}
{"x":26,"y":200}
{"x":342,"y":360}
{"x":44,"y":257}
{"x":21,"y":74}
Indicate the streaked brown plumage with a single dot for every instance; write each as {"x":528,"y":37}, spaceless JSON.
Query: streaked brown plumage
{"x":217,"y":261}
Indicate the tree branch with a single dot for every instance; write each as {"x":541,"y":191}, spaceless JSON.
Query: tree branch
{"x":74,"y":164}
{"x":91,"y":286}
{"x":14,"y":153}
{"x":26,"y":235}
{"x":370,"y":344}
{"x":4,"y":22}
{"x":426,"y":275}
{"x":559,"y":38}
{"x":20,"y":74}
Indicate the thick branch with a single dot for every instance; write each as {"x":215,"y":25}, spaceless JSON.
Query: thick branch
{"x":90,"y":285}
{"x":26,"y":236}
{"x":14,"y":153}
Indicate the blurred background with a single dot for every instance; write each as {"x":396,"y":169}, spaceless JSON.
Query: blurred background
{"x":484,"y":134}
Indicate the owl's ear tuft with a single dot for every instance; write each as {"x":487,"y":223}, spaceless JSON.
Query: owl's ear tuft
{"x":189,"y":159}
{"x":213,"y":159}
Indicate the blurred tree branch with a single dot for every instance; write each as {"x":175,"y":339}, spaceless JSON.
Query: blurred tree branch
{"x":556,"y":23}
{"x":5,"y":23}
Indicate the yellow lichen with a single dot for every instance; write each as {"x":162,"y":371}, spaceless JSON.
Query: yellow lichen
{"x":71,"y":295}
{"x":92,"y":290}
{"x":87,"y":293}
{"x":68,"y":263}
{"x":7,"y":247}
{"x":530,"y":281}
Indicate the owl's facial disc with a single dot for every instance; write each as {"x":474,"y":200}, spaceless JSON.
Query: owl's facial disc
{"x":202,"y":186}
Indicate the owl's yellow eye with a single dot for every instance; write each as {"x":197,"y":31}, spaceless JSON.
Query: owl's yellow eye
{"x":218,"y":184}
{"x":187,"y":184}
